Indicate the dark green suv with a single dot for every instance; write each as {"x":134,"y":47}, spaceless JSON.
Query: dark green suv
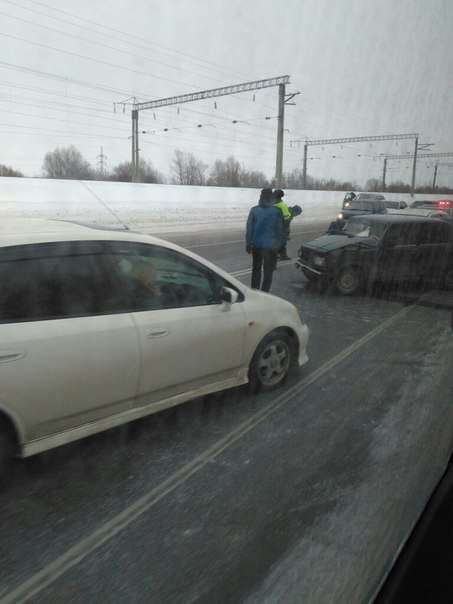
{"x":381,"y":248}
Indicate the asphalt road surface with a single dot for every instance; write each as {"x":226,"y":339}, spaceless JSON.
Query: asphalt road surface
{"x":304,"y":495}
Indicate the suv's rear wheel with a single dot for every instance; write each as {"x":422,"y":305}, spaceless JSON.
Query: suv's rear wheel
{"x":271,"y":362}
{"x":348,"y":281}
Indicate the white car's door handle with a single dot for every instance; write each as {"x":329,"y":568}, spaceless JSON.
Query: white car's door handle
{"x":8,"y":356}
{"x":159,"y":332}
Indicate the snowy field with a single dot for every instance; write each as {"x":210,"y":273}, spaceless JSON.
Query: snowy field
{"x":152,"y":208}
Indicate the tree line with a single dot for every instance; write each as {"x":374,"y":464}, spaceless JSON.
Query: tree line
{"x":187,"y":169}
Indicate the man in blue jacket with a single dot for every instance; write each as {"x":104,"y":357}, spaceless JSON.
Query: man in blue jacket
{"x":264,"y":238}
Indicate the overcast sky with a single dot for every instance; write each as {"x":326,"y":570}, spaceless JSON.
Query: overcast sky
{"x":363,"y":67}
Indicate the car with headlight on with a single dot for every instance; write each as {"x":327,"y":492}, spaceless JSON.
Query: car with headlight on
{"x":361,"y":197}
{"x":360,"y":206}
{"x":99,"y":327}
{"x":381,"y":248}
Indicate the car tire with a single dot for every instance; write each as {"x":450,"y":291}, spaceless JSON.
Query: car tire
{"x":348,"y":281}
{"x":271,"y":362}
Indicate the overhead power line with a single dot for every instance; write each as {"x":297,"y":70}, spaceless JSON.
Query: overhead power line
{"x":279,"y":81}
{"x":214,"y":92}
{"x":96,"y":42}
{"x":130,"y":36}
{"x":356,"y":139}
{"x":60,"y":78}
{"x":92,"y":59}
{"x":90,"y":134}
{"x":97,"y":32}
{"x":421,"y":155}
{"x":96,"y":100}
{"x":58,"y":106}
{"x":64,"y":120}
{"x":360,"y":139}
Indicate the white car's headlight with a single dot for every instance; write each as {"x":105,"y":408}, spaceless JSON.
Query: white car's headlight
{"x":340,"y":216}
{"x":319,"y":260}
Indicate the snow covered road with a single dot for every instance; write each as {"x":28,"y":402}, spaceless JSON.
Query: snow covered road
{"x":303,"y":495}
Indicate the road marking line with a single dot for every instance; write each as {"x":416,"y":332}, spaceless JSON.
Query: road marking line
{"x":193,"y":247}
{"x":246,"y":271}
{"x":78,"y":552}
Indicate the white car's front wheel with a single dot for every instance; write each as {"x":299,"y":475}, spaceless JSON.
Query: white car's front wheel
{"x":271,"y":362}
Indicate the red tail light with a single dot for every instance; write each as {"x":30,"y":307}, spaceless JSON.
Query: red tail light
{"x":444,"y":203}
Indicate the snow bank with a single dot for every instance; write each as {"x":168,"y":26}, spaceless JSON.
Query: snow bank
{"x":149,"y":207}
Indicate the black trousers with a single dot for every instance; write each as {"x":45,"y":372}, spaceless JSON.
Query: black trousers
{"x":282,"y":251}
{"x":264,"y":263}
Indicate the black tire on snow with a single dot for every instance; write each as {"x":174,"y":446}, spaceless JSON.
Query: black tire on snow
{"x":348,"y":281}
{"x":271,"y":362}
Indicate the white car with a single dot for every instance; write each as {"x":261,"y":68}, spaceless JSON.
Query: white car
{"x":99,"y":327}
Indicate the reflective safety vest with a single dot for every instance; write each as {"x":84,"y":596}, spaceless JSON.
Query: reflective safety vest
{"x":281,"y":205}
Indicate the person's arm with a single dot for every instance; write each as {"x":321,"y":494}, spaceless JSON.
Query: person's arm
{"x":286,"y":212}
{"x":249,"y":231}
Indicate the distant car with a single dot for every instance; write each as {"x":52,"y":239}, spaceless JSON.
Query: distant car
{"x":395,"y":205}
{"x":441,"y":205}
{"x":360,"y":206}
{"x":362,"y":197}
{"x":429,"y":212}
{"x":101,"y":327}
{"x":386,"y":248}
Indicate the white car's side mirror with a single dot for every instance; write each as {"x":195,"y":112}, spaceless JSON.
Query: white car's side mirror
{"x":229,"y":295}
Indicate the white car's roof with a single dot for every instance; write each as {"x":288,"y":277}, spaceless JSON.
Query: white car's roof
{"x":22,"y":231}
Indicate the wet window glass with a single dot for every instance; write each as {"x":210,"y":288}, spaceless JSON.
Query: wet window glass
{"x":58,"y":283}
{"x":154,"y":278}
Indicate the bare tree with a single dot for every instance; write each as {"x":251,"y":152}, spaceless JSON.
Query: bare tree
{"x":67,"y":162}
{"x":146,"y":172}
{"x":226,"y":173}
{"x":187,"y":169}
{"x":7,"y":171}
{"x":398,"y":186}
{"x":253,"y":179}
{"x":373,"y":184}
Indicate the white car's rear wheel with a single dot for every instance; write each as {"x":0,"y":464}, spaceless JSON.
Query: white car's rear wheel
{"x":271,"y":362}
